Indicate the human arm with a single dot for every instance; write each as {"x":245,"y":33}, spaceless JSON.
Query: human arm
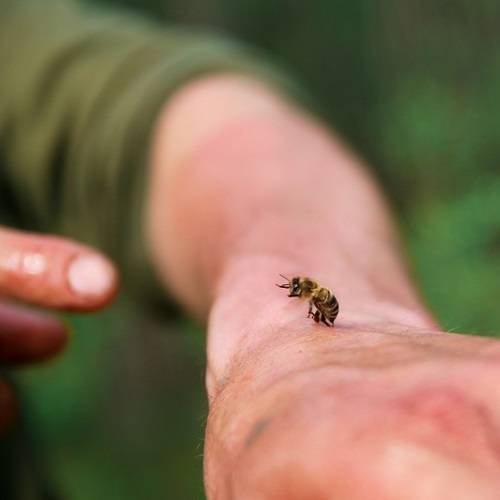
{"x":241,"y":192}
{"x":257,"y":336}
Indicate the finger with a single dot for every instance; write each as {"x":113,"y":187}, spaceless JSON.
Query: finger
{"x":7,"y":408}
{"x":54,"y":272}
{"x":27,"y":336}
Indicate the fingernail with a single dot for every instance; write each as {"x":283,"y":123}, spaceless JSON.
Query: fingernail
{"x":90,"y":275}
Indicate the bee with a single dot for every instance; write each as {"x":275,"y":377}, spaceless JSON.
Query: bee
{"x":321,"y":299}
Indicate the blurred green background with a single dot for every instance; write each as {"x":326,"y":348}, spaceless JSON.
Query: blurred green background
{"x":414,"y":86}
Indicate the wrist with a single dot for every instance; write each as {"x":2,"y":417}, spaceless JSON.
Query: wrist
{"x":259,"y":189}
{"x":252,"y":320}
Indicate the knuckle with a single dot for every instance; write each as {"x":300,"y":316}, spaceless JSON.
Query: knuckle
{"x":35,"y":268}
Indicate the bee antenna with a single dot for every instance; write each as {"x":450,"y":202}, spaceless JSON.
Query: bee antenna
{"x":284,"y":285}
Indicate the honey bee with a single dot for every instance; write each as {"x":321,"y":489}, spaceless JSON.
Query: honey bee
{"x":320,"y":298}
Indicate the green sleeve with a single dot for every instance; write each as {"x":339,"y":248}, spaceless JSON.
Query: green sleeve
{"x":79,"y":94}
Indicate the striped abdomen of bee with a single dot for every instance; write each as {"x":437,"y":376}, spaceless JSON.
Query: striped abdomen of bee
{"x":327,"y":306}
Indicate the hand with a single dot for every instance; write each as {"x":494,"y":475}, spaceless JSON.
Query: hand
{"x":50,"y":272}
{"x":377,"y":408}
{"x":381,"y":407}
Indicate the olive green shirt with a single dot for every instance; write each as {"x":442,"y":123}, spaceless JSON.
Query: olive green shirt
{"x":79,"y":94}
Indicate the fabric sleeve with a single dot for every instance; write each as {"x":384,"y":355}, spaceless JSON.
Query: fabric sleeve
{"x":80,"y":90}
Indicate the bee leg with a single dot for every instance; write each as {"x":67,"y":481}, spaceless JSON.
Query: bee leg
{"x":317,"y":316}
{"x":310,"y":313}
{"x":323,"y":319}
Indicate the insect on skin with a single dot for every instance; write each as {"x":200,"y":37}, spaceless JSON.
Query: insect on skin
{"x":320,"y":298}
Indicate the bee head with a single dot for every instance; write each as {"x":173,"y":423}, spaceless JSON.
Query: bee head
{"x":292,"y":285}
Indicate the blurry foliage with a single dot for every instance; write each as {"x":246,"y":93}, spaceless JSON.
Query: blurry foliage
{"x":414,"y":86}
{"x":121,"y":414}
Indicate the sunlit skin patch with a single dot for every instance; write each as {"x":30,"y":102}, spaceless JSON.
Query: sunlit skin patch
{"x":34,"y":263}
{"x":30,"y":263}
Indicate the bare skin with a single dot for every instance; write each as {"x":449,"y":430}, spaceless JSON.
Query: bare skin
{"x":49,"y":272}
{"x":383,"y":406}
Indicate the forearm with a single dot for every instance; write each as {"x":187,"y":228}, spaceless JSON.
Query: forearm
{"x":244,"y":187}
